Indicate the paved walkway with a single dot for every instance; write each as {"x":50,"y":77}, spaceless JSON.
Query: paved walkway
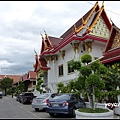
{"x":116,"y":116}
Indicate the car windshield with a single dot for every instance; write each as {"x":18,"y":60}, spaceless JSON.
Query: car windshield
{"x":43,"y":96}
{"x":62,"y":97}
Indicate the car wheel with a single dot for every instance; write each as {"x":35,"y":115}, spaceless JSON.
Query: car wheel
{"x":51,"y":114}
{"x":36,"y":109}
{"x":73,"y":112}
{"x":22,"y":102}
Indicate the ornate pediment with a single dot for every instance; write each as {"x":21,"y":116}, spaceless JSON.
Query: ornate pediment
{"x":116,"y":41}
{"x":100,"y":29}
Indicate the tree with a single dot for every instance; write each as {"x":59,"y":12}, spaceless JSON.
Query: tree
{"x":6,"y":83}
{"x":90,"y":78}
{"x":21,"y":87}
{"x":11,"y":91}
{"x":60,"y":86}
{"x":112,"y":80}
{"x":40,"y":85}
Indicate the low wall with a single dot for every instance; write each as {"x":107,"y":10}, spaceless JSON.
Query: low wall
{"x":82,"y":115}
{"x":106,"y":115}
{"x":98,"y":105}
{"x":116,"y":110}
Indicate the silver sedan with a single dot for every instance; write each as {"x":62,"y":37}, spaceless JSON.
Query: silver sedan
{"x":40,"y":102}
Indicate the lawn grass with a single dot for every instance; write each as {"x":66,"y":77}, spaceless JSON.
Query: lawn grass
{"x":90,"y":110}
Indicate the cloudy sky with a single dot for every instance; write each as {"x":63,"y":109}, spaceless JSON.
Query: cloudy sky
{"x":22,"y":21}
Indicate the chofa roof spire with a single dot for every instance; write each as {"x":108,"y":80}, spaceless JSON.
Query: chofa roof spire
{"x":35,"y":52}
{"x":103,"y":4}
{"x":42,"y":36}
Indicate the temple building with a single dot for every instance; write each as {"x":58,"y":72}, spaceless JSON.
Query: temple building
{"x":112,"y":50}
{"x":89,"y":34}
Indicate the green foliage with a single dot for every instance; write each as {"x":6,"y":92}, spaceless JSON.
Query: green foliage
{"x":95,"y":66}
{"x":40,"y":84}
{"x":6,"y":83}
{"x":60,"y":84}
{"x":85,"y":70}
{"x":38,"y":78}
{"x":21,"y":87}
{"x":11,"y":91}
{"x":86,"y":58}
{"x":76,"y":65}
{"x":37,"y":87}
{"x":103,"y":69}
{"x":80,"y":83}
{"x":41,"y":75}
{"x":94,"y":80}
{"x":69,"y":88}
{"x":63,"y":89}
{"x":112,"y":79}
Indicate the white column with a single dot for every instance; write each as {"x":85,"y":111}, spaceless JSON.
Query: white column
{"x":49,"y":71}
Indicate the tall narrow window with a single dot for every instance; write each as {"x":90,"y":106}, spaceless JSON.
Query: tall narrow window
{"x":34,"y":82}
{"x":70,"y":70}
{"x":60,"y":70}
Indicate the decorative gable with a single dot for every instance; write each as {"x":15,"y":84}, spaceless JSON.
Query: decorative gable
{"x":116,"y":41}
{"x":101,"y":29}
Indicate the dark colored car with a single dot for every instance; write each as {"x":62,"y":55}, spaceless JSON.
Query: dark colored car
{"x":40,"y":102}
{"x":1,"y":94}
{"x":65,"y":103}
{"x":27,"y":97}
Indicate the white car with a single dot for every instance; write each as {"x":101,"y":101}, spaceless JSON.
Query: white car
{"x":40,"y":102}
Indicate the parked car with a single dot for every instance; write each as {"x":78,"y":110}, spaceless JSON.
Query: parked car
{"x":18,"y":97}
{"x":1,"y":94}
{"x":40,"y":102}
{"x":65,"y":103}
{"x":27,"y":97}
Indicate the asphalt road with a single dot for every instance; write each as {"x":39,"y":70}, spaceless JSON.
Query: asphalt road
{"x":10,"y":108}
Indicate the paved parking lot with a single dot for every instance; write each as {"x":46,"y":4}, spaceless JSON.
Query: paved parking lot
{"x":10,"y":108}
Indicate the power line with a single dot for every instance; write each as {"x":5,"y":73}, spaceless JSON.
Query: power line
{"x":105,"y":9}
{"x":113,"y":12}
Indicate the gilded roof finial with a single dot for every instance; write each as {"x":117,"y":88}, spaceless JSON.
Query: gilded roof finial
{"x":35,"y":52}
{"x":75,"y":27}
{"x":83,"y":20}
{"x":41,"y":35}
{"x":45,"y":32}
{"x":103,"y":4}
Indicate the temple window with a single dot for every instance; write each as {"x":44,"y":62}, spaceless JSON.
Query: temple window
{"x":60,"y":70}
{"x":34,"y":82}
{"x":70,"y":70}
